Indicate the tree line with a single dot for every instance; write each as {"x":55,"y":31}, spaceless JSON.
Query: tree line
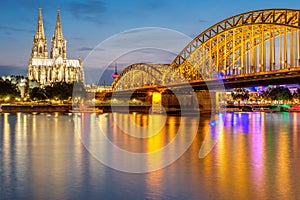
{"x":57,"y":91}
{"x":11,"y":87}
{"x":271,"y":93}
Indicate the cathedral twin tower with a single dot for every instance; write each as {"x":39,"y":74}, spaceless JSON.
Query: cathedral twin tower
{"x":57,"y":68}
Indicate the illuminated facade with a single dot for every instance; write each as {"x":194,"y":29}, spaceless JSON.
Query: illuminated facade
{"x":57,"y":68}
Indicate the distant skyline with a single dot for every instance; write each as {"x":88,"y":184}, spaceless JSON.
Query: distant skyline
{"x":86,"y":23}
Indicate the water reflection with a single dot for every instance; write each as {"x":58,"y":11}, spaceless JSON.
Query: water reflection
{"x":256,"y":157}
{"x":124,"y":152}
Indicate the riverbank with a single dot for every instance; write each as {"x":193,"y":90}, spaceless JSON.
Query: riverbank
{"x":66,"y":108}
{"x":36,"y":108}
{"x":255,"y":108}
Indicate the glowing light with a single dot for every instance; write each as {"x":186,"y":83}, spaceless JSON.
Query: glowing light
{"x":221,"y":75}
{"x":115,"y":75}
{"x":156,"y":98}
{"x":285,"y":106}
{"x":213,"y":123}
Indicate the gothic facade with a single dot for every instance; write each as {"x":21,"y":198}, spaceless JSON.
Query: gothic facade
{"x":56,"y":68}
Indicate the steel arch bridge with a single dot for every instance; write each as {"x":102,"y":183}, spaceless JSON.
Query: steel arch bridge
{"x":140,"y":74}
{"x":254,"y":42}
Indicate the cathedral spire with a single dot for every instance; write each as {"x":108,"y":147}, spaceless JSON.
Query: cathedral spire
{"x":58,"y":30}
{"x":58,"y":48}
{"x":40,"y":27}
{"x":39,"y":48}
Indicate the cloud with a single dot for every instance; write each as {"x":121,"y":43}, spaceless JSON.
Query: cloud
{"x":85,"y":49}
{"x":90,"y":49}
{"x":91,"y":10}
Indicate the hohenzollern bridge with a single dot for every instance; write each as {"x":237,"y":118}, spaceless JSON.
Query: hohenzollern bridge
{"x":259,"y":47}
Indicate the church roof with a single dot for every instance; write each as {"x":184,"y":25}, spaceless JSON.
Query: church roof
{"x":48,"y":62}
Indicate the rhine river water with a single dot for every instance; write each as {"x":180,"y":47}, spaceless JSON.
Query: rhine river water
{"x":257,"y":156}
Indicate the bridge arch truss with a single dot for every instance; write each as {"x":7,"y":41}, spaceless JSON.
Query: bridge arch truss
{"x":139,"y":75}
{"x":252,"y":42}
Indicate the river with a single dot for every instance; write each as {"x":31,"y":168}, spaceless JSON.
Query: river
{"x":59,"y":156}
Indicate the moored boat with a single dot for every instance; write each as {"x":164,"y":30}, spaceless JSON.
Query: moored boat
{"x":294,"y":109}
{"x":86,"y":110}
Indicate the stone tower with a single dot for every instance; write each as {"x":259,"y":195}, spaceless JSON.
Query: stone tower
{"x":39,"y":48}
{"x":58,"y":48}
{"x":57,"y":68}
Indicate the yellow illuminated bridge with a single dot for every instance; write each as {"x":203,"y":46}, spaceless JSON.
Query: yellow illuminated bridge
{"x":257,"y":46}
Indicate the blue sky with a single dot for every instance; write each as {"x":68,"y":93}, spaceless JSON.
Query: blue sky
{"x":87,"y":23}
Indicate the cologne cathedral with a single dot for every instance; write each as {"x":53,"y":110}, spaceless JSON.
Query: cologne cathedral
{"x":57,"y":68}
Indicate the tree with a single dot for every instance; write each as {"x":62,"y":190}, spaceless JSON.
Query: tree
{"x":65,"y":91}
{"x":240,"y":94}
{"x":38,"y":93}
{"x":296,"y":94}
{"x":278,"y":93}
{"x":58,"y":91}
{"x":8,"y":89}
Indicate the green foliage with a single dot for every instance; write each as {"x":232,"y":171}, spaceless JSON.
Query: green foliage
{"x":37,"y":94}
{"x":8,"y":89}
{"x":296,"y":94}
{"x":58,"y":91}
{"x":10,"y":86}
{"x":278,"y":93}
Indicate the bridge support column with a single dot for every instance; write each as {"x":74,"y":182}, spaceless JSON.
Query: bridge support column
{"x":285,"y":48}
{"x":208,"y":101}
{"x":262,"y":60}
{"x":272,"y":51}
{"x":157,"y":104}
{"x":292,"y":49}
{"x":298,"y":48}
{"x":281,"y":62}
{"x":173,"y":103}
{"x":253,"y":53}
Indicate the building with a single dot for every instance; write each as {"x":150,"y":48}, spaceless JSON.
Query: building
{"x":56,"y":68}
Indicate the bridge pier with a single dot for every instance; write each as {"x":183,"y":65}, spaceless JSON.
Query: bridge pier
{"x":209,"y":101}
{"x":173,"y":103}
{"x":206,"y":102}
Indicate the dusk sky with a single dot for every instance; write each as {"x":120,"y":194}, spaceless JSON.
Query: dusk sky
{"x":87,"y":23}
